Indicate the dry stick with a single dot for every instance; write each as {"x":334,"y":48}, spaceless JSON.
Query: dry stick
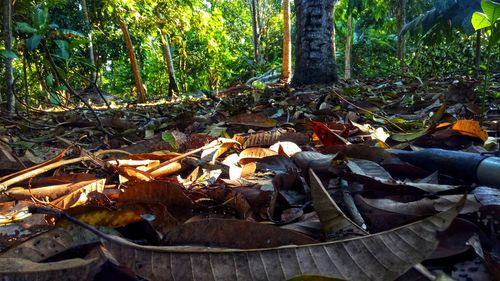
{"x":368,"y":111}
{"x":5,"y":185}
{"x":73,"y":92}
{"x":177,"y":158}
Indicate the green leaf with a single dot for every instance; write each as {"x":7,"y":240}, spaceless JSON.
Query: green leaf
{"x":63,"y":49}
{"x":480,"y":21}
{"x":169,"y":138}
{"x":33,"y":42}
{"x":491,"y":9}
{"x":25,"y":27}
{"x":8,"y":54}
{"x":40,"y":16}
{"x":53,"y":26}
{"x":61,"y":88}
{"x":50,"y":80}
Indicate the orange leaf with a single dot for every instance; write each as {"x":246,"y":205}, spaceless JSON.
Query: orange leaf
{"x":325,"y":135}
{"x":470,"y":128}
{"x":443,"y":125}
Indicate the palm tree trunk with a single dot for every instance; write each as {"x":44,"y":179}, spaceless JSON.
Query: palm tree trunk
{"x":314,"y":61}
{"x":286,"y":69}
{"x":9,"y":71}
{"x":141,"y":92}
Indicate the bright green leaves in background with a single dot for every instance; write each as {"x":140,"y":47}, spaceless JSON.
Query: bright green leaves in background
{"x":489,"y":19}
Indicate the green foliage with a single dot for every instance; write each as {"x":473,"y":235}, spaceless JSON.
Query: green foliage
{"x":446,"y":14}
{"x":489,"y":19}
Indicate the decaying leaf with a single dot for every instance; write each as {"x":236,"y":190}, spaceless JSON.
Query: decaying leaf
{"x":334,"y":221}
{"x":74,"y":269}
{"x":382,"y":256}
{"x":255,"y":120}
{"x":221,"y":233}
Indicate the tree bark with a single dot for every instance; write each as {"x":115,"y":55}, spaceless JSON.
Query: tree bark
{"x":401,"y":20}
{"x":348,"y":50}
{"x":167,"y":55}
{"x":334,"y":46}
{"x":256,"y":32}
{"x":314,"y":53}
{"x":141,"y":92}
{"x":93,"y":75}
{"x":286,"y":68}
{"x":9,"y":71}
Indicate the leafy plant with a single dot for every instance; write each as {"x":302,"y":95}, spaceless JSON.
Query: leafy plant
{"x":487,"y":20}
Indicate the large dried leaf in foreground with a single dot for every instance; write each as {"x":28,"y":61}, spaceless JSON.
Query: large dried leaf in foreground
{"x":14,"y":269}
{"x":382,"y":256}
{"x":220,"y":233}
{"x":51,"y":243}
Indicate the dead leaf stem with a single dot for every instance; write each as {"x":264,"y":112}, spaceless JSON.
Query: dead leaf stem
{"x":368,"y":111}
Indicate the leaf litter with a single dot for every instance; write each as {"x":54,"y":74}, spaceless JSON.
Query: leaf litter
{"x":301,"y":186}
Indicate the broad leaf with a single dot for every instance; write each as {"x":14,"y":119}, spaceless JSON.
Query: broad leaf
{"x":8,"y":54}
{"x":73,"y":269}
{"x":480,"y":20}
{"x":491,"y":9}
{"x":40,"y":16}
{"x":33,"y":42}
{"x":25,"y":27}
{"x":63,"y":49}
{"x":385,"y":255}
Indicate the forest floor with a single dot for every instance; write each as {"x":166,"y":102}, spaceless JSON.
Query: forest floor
{"x":251,"y":169}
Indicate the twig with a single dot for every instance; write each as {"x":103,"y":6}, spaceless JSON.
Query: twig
{"x":177,"y":158}
{"x":5,"y":185}
{"x":73,"y":92}
{"x":368,"y":111}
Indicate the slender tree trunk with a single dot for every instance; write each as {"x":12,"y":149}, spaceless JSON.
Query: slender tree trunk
{"x":401,"y":20}
{"x":286,"y":69}
{"x":313,"y":52}
{"x":25,"y":78}
{"x":348,"y":50}
{"x":478,"y":54}
{"x":256,"y":32}
{"x":334,"y":47}
{"x":141,"y":92}
{"x":167,"y":55}
{"x":93,"y":75}
{"x":9,"y":71}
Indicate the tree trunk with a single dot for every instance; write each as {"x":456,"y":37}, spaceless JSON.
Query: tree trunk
{"x":286,"y":68}
{"x":256,"y":32}
{"x":141,"y":92}
{"x":348,"y":50}
{"x":314,"y":53}
{"x":9,"y":71}
{"x":334,"y":47}
{"x":93,"y":75}
{"x":167,"y":55}
{"x":401,"y":20}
